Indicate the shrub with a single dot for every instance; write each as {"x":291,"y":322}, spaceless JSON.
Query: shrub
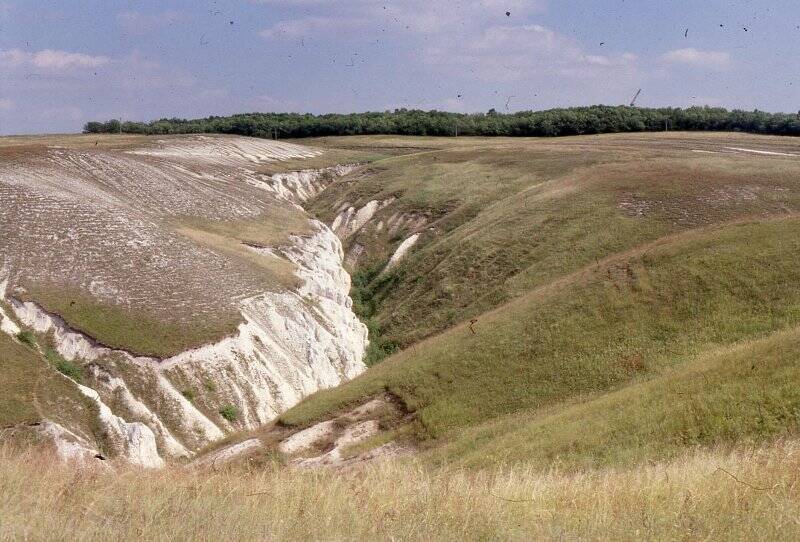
{"x":63,"y":366}
{"x":229,"y":412}
{"x":27,"y":337}
{"x":189,"y":394}
{"x":70,"y":370}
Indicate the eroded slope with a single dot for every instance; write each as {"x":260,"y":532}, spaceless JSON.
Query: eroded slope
{"x":192,"y":293}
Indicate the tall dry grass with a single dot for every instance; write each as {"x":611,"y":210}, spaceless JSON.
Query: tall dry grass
{"x":747,"y":494}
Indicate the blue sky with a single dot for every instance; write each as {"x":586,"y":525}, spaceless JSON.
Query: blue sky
{"x":66,"y":62}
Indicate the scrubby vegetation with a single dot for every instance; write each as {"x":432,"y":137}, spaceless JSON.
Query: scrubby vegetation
{"x":367,"y":283}
{"x":621,"y":283}
{"x":553,"y":122}
{"x":31,"y":389}
{"x":64,"y":366}
{"x":229,"y":412}
{"x":622,"y":321}
{"x":26,"y":337}
{"x":594,"y":338}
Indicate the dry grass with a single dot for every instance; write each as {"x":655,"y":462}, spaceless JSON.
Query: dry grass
{"x":747,"y":494}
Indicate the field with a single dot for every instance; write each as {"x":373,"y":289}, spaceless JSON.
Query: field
{"x":742,"y":494}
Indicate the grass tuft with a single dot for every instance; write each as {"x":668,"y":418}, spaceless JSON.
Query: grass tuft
{"x":230,"y":413}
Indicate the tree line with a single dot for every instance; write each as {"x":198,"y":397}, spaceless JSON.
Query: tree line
{"x":597,"y":119}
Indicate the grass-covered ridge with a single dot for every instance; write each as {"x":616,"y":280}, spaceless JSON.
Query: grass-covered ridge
{"x":728,"y":396}
{"x":138,"y":332}
{"x":623,"y":320}
{"x":34,"y":389}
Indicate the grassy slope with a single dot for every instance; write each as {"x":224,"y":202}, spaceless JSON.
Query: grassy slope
{"x":730,"y":395}
{"x":624,"y":257}
{"x":512,"y":215}
{"x":18,"y":378}
{"x":626,"y":320}
{"x":33,"y":390}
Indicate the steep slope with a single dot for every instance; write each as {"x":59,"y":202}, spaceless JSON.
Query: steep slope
{"x":189,"y":292}
{"x":727,"y":396}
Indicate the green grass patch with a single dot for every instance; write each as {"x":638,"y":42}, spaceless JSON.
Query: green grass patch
{"x":728,"y":396}
{"x":64,"y":366}
{"x":27,"y":337}
{"x":140,"y":332}
{"x":510,"y":215}
{"x":229,"y":412}
{"x":367,"y":284}
{"x":33,"y":390}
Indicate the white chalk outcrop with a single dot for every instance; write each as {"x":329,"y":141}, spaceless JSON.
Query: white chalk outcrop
{"x":401,"y":251}
{"x":7,"y":325}
{"x":135,"y":441}
{"x":291,"y":344}
{"x":222,"y":150}
{"x":298,"y":186}
{"x":350,"y":220}
{"x":69,"y":446}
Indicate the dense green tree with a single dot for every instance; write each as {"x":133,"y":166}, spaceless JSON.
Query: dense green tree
{"x":553,"y":122}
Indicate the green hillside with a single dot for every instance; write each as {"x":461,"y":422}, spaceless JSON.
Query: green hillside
{"x":587,"y":287}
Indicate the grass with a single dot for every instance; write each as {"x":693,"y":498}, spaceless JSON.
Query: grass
{"x":137,"y":331}
{"x":159,"y":333}
{"x":509,"y":215}
{"x":32,"y":390}
{"x":365,"y":283}
{"x":229,"y":412}
{"x":621,"y":321}
{"x":729,"y":396}
{"x":26,"y":337}
{"x":18,"y":379}
{"x":64,"y":366}
{"x":166,"y":305}
{"x":744,"y":494}
{"x":332,"y":156}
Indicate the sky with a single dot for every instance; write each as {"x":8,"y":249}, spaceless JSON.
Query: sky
{"x":65,"y":62}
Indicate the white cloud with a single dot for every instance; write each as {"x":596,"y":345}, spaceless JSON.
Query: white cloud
{"x":50,"y":59}
{"x":509,"y":53}
{"x":690,"y":56}
{"x":310,"y":26}
{"x":409,"y":16}
{"x":135,"y":22}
